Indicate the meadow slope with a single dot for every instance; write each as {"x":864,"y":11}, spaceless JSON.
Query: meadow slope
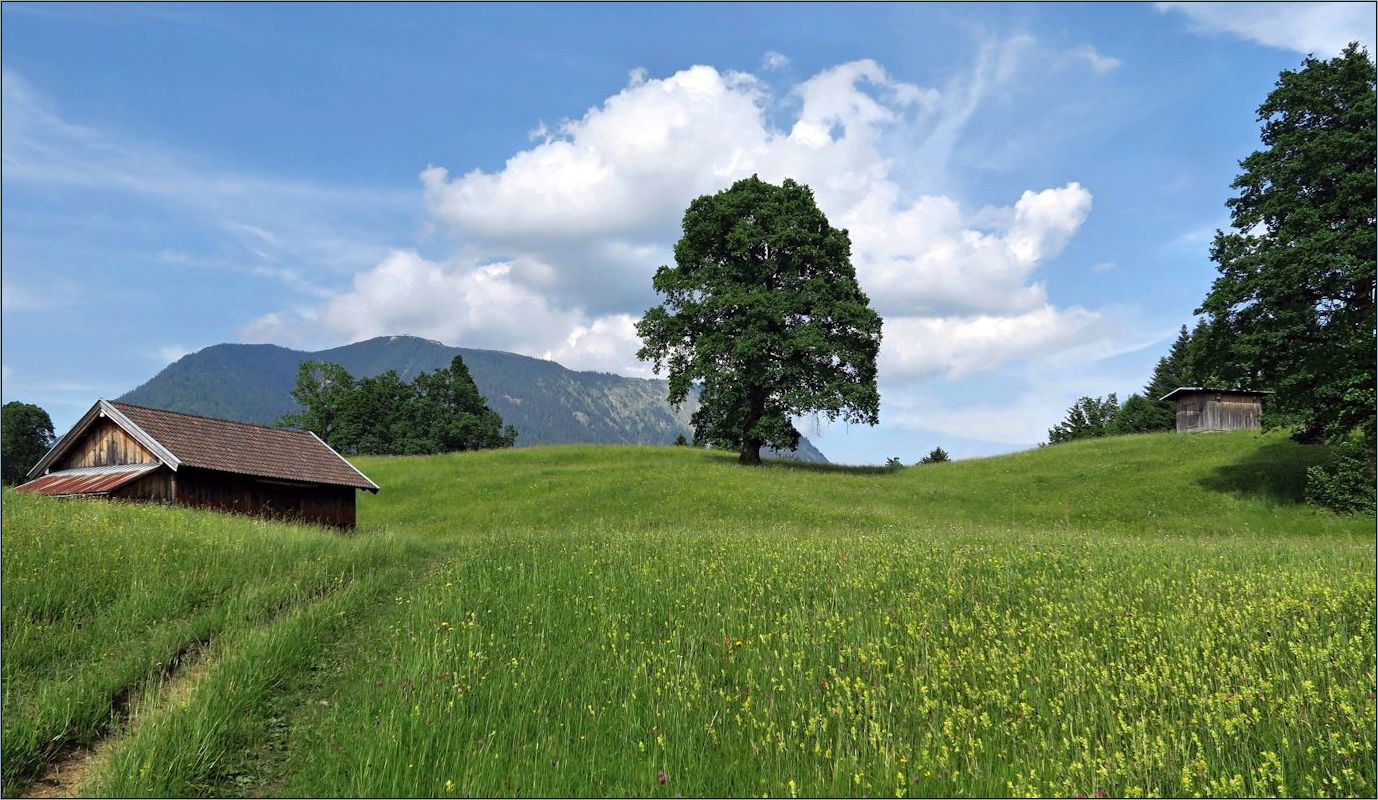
{"x":1139,"y":615}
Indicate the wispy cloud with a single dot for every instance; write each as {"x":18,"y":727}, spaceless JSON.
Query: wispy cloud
{"x":278,"y":224}
{"x":1098,"y":62}
{"x":1320,"y":28}
{"x":773,"y":60}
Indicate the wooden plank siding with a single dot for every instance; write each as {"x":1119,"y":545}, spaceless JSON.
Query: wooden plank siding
{"x":106,"y":444}
{"x":158,"y":486}
{"x":1220,"y":411}
{"x":245,"y":494}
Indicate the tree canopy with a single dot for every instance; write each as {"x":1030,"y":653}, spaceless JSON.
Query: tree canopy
{"x":1087,"y":418}
{"x":1292,"y":308}
{"x":936,"y":456}
{"x":27,"y":435}
{"x":438,"y":412}
{"x":762,"y":309}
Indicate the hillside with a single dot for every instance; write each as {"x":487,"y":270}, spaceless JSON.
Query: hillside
{"x":1142,"y":615}
{"x":547,"y":403}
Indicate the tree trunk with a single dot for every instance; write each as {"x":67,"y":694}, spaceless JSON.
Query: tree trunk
{"x":751,"y":447}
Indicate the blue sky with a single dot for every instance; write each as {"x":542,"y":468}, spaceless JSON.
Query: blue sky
{"x":1030,"y":189}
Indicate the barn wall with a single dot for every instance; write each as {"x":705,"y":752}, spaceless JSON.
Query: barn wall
{"x":155,"y":487}
{"x":226,"y":491}
{"x":103,"y":445}
{"x":1205,"y":412}
{"x":1189,"y":410}
{"x":1232,"y":413}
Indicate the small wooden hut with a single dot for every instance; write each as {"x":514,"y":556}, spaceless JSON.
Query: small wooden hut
{"x":1200,"y":409}
{"x":131,"y":452}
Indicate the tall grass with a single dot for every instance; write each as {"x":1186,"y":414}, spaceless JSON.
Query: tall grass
{"x":764,"y":662}
{"x":102,"y":598}
{"x":1201,"y":485}
{"x":1141,"y":615}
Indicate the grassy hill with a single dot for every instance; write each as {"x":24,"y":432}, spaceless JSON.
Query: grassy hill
{"x":1151,"y":614}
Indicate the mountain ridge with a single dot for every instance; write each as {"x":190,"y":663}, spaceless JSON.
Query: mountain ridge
{"x":547,"y":402}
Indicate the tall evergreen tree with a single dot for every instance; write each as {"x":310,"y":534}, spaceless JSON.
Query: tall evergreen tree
{"x":1088,"y":418}
{"x":1293,"y":306}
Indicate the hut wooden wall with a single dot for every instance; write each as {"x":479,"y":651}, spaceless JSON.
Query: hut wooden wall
{"x":226,"y":491}
{"x":156,"y":487}
{"x":1218,"y":412}
{"x":105,"y":444}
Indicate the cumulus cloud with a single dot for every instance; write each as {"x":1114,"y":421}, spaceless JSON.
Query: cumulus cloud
{"x":555,"y":249}
{"x":1320,"y":28}
{"x":477,"y":305}
{"x":959,"y":346}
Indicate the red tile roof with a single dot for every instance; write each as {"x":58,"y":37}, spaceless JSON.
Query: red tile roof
{"x":87,"y":480}
{"x":245,"y":448}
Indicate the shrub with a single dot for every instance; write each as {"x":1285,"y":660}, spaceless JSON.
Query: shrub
{"x":938,"y":456}
{"x":1346,"y":483}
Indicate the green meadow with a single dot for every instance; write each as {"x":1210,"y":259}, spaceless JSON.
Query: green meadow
{"x":1140,"y":615}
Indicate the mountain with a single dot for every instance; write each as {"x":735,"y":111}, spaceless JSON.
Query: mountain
{"x":547,"y":403}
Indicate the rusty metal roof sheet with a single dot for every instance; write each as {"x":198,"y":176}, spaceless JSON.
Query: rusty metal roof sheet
{"x":88,"y":480}
{"x":245,"y":448}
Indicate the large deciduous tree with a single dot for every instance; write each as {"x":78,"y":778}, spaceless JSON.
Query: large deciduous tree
{"x":1293,"y":306}
{"x":762,"y":309}
{"x":26,"y":431}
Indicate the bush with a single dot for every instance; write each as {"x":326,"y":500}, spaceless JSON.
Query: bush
{"x":893,"y":463}
{"x":1346,"y":483}
{"x":938,"y":456}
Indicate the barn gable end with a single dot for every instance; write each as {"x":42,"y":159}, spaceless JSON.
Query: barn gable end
{"x":132,"y":452}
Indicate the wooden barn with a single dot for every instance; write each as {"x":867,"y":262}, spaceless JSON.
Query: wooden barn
{"x":131,"y":452}
{"x":1200,"y":409}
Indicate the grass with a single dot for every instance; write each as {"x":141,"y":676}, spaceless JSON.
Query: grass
{"x":1140,"y":615}
{"x":101,"y":600}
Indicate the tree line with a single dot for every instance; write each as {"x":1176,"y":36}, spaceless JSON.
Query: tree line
{"x":1292,"y":308}
{"x":437,"y":412}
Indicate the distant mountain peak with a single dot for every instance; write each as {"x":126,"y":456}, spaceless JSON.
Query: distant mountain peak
{"x":548,"y":403}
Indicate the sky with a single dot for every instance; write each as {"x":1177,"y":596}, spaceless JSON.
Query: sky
{"x":1030,"y":190}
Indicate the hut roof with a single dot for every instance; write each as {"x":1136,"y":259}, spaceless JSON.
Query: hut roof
{"x":88,"y":480}
{"x":1182,"y":390}
{"x":179,"y":439}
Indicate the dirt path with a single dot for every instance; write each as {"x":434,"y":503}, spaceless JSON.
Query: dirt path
{"x":72,"y":769}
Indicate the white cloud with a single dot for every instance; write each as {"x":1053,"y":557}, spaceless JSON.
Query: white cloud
{"x":555,"y":250}
{"x":608,"y":344}
{"x":773,"y":60}
{"x":1104,"y":266}
{"x":477,"y":305}
{"x":959,"y":346}
{"x":1320,"y":28}
{"x":1099,"y":62}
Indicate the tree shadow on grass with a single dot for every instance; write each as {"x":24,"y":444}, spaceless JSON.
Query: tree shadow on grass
{"x":832,"y":469}
{"x":1275,"y":472}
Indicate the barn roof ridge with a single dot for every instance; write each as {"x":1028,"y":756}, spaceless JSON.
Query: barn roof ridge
{"x":118,"y":403}
{"x":1170,"y":394}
